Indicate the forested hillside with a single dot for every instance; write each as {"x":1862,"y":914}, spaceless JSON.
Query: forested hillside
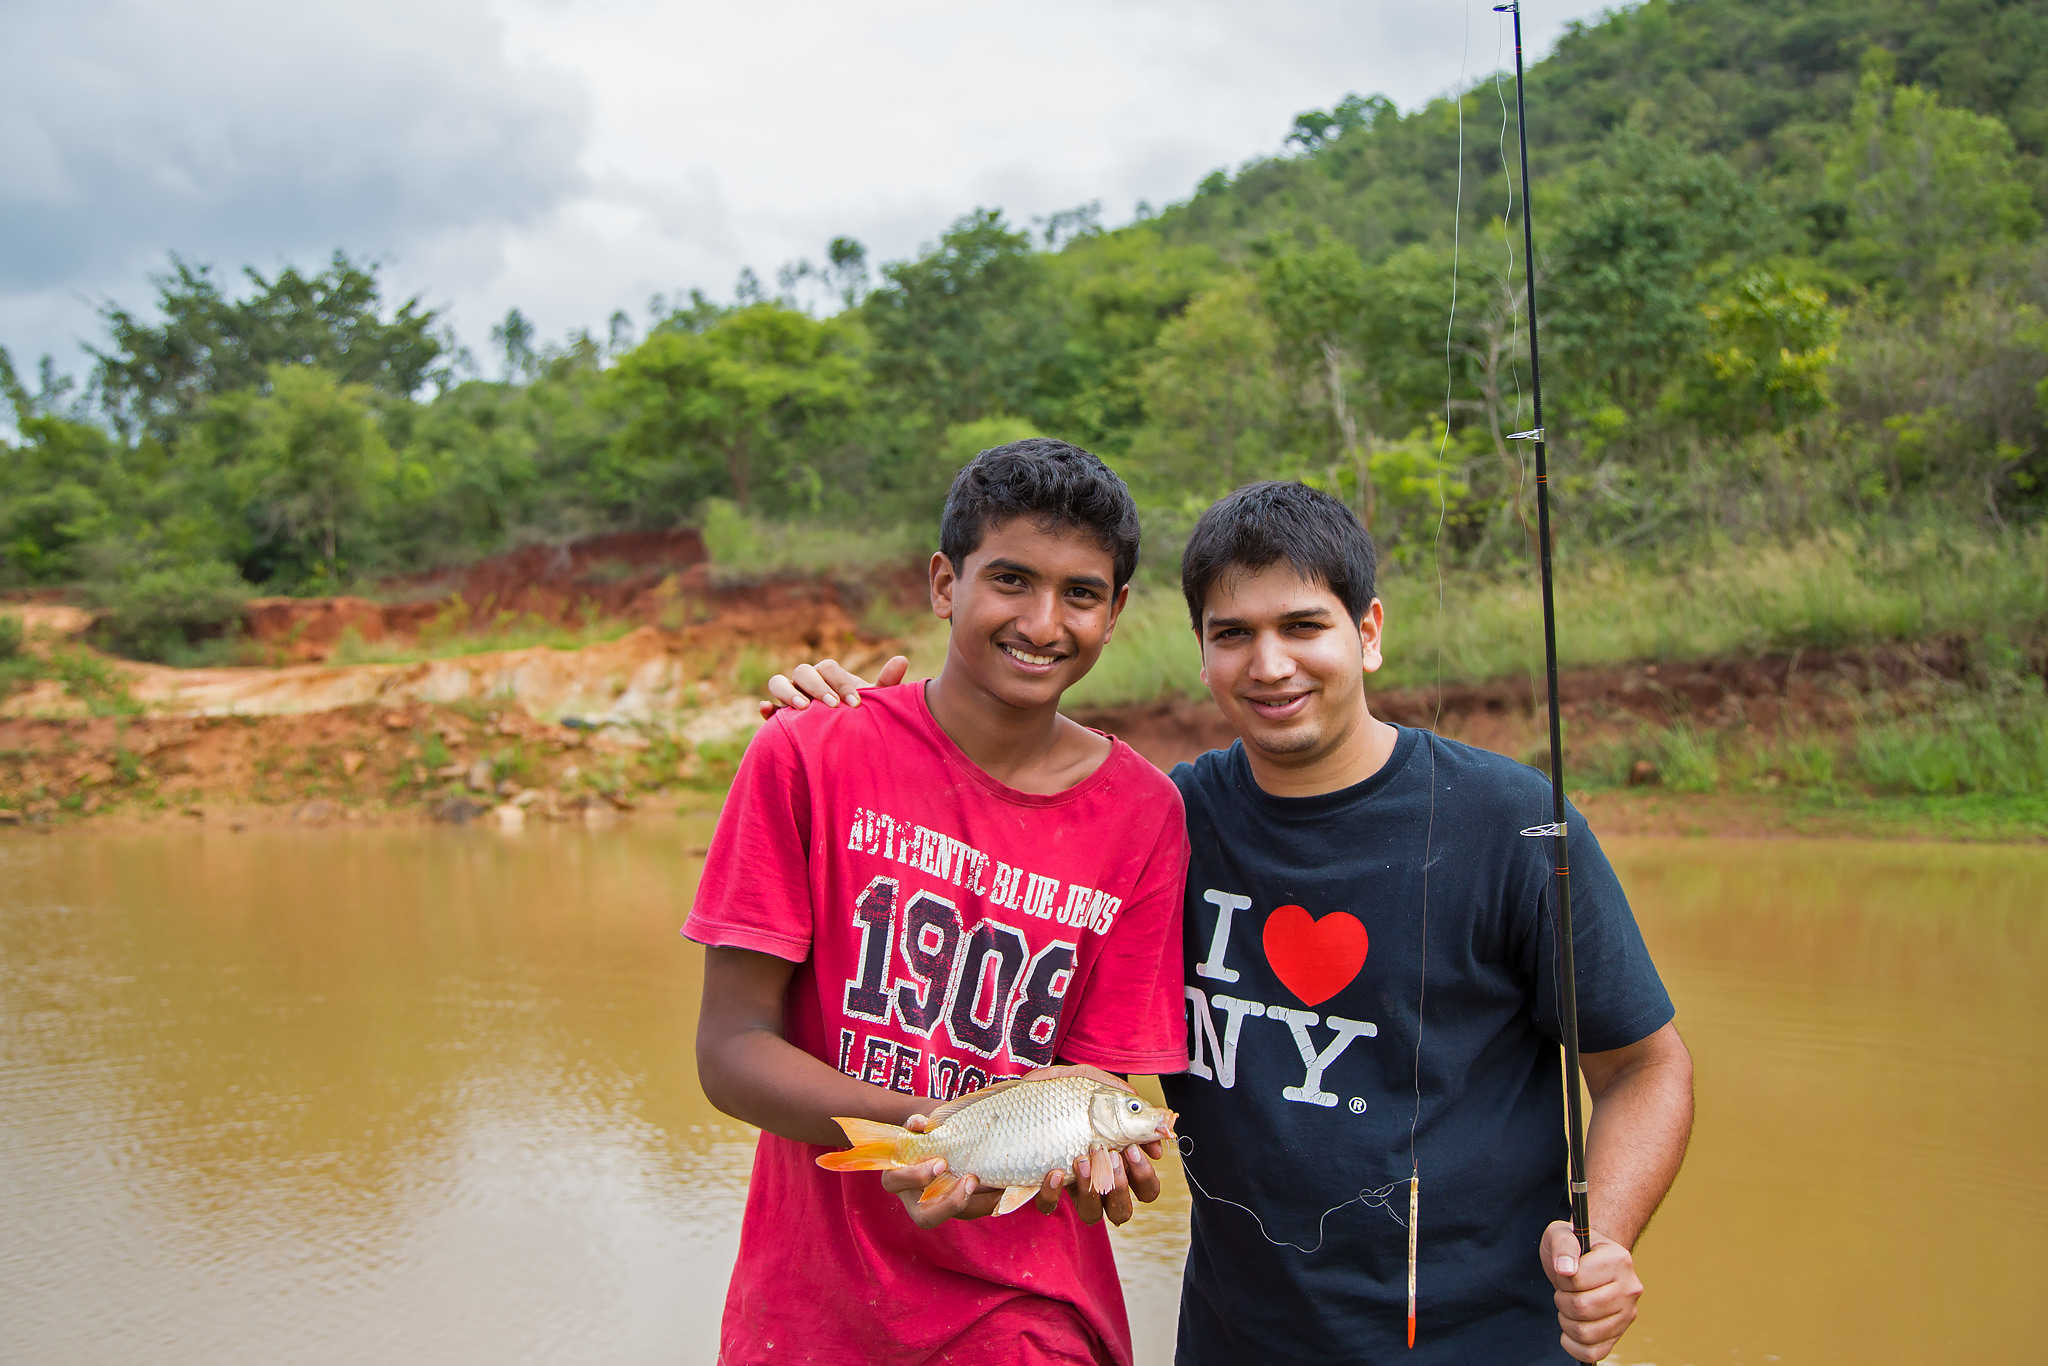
{"x":1792,"y":275}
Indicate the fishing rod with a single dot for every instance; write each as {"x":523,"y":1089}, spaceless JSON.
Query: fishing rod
{"x":1575,"y":1132}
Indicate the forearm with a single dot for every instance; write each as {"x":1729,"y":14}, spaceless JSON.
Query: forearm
{"x":751,"y":1072}
{"x":1636,"y":1139}
{"x":757,"y":1076}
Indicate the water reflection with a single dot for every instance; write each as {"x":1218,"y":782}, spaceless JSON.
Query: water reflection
{"x":312,"y":1096}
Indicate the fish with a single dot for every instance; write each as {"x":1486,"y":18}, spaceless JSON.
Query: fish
{"x":1010,"y":1134}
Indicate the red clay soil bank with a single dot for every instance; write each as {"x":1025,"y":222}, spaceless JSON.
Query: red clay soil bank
{"x":647,"y":578}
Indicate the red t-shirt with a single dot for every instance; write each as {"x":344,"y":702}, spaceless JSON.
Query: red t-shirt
{"x":947,"y":931}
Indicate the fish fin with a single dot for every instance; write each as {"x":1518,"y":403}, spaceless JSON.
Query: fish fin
{"x":877,"y":1147}
{"x":941,"y":1186}
{"x":1101,"y":1174}
{"x":1015,"y":1197}
{"x":959,"y":1103}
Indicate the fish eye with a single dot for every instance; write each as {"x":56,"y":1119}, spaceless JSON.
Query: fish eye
{"x":1134,"y":1105}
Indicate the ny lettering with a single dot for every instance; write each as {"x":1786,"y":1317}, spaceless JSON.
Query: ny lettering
{"x":1299,"y":1022}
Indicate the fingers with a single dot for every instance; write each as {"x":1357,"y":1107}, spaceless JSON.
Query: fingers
{"x":913,"y":1179}
{"x":1048,"y":1198}
{"x":842,"y":682}
{"x":1596,"y":1292}
{"x":1087,"y":1204}
{"x":1559,"y":1252}
{"x":893,"y":672}
{"x":812,"y":683}
{"x":1116,"y":1204}
{"x":782,"y":693}
{"x":1144,"y":1176}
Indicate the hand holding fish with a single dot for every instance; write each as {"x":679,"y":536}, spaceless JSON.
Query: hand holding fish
{"x":1015,"y":1142}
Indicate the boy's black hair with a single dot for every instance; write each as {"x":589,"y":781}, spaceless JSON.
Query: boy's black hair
{"x":1261,"y":524}
{"x":1054,"y":483}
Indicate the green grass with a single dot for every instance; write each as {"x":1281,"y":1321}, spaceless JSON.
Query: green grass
{"x":1884,"y":585}
{"x":1153,"y":654}
{"x":745,"y":547}
{"x":451,"y":635}
{"x":1880,"y":585}
{"x":1973,"y":762}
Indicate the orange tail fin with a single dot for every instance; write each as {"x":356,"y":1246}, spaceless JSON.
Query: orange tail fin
{"x":876,"y":1146}
{"x":940,"y":1187}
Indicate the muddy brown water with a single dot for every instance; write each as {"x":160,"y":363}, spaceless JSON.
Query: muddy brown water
{"x":428,"y":1096}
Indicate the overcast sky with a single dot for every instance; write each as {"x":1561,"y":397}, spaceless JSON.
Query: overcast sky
{"x":572,"y":157}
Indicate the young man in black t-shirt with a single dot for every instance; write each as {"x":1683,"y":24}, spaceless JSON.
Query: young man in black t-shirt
{"x":1372,"y":992}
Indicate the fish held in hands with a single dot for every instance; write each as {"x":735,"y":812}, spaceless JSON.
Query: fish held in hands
{"x":1010,"y":1135}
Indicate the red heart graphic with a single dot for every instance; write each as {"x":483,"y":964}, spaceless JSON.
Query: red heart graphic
{"x":1314,"y":959}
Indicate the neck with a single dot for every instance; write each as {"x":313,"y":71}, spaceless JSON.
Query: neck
{"x":1008,"y":743}
{"x":1362,"y":752}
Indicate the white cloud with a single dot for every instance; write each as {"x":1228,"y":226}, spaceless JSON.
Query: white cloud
{"x":573,"y":158}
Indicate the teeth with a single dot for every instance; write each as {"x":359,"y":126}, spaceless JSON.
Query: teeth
{"x":1029,"y":658}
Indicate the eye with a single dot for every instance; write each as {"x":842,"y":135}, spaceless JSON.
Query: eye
{"x":1134,"y":1105}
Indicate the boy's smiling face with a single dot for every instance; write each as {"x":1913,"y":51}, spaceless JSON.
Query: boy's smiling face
{"x":1031,"y":609}
{"x":1286,"y":664}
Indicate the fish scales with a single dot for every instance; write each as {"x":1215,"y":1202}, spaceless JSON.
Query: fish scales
{"x":1015,"y":1138}
{"x":1011,"y":1133}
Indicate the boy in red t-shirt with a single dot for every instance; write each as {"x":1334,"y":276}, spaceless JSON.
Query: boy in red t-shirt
{"x":948,"y":884}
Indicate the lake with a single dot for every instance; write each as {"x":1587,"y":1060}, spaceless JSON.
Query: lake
{"x":428,"y":1095}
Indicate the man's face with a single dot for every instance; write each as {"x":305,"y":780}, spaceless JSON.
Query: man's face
{"x":1287,"y":665}
{"x":1031,"y":610}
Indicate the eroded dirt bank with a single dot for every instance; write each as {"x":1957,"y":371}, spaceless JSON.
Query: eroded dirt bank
{"x":411,"y":758}
{"x":658,"y":716}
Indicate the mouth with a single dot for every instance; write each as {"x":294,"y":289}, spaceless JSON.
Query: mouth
{"x":1278,"y":708}
{"x":1030,"y":659}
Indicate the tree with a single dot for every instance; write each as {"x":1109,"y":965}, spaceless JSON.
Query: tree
{"x":1213,"y":395}
{"x":514,"y":339}
{"x":1929,"y":189}
{"x":712,"y":412}
{"x":847,"y":270}
{"x":966,"y":330}
{"x":1315,"y":297}
{"x":1770,"y":348}
{"x":313,"y":460}
{"x":1648,"y":234}
{"x":154,"y":376}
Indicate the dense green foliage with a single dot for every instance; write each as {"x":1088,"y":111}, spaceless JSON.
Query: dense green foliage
{"x":1791,"y":269}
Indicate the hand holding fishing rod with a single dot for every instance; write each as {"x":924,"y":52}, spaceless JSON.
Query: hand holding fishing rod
{"x":1595,"y":1281}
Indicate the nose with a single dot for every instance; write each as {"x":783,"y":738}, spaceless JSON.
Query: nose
{"x":1270,"y":661}
{"x":1038,"y":619}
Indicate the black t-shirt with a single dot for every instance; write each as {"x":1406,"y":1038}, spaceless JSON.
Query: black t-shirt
{"x":1308,"y":965}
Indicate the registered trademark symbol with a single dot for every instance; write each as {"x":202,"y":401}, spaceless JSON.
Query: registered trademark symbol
{"x":1358,"y":1105}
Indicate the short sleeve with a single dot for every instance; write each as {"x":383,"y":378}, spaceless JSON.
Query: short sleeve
{"x":1621,"y":999}
{"x":755,"y":890}
{"x":1132,"y":1014}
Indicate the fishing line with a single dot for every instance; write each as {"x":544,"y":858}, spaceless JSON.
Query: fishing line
{"x":1413,"y":1223}
{"x":1381,"y":1197}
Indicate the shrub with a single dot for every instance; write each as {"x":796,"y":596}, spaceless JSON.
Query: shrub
{"x":152,"y":613}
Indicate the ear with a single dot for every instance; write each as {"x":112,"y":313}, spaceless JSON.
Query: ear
{"x":943,"y":580}
{"x":1116,"y":609}
{"x":1371,"y":629}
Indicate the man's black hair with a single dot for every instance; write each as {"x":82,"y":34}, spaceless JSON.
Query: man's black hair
{"x":1261,"y":524}
{"x":1052,"y":482}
